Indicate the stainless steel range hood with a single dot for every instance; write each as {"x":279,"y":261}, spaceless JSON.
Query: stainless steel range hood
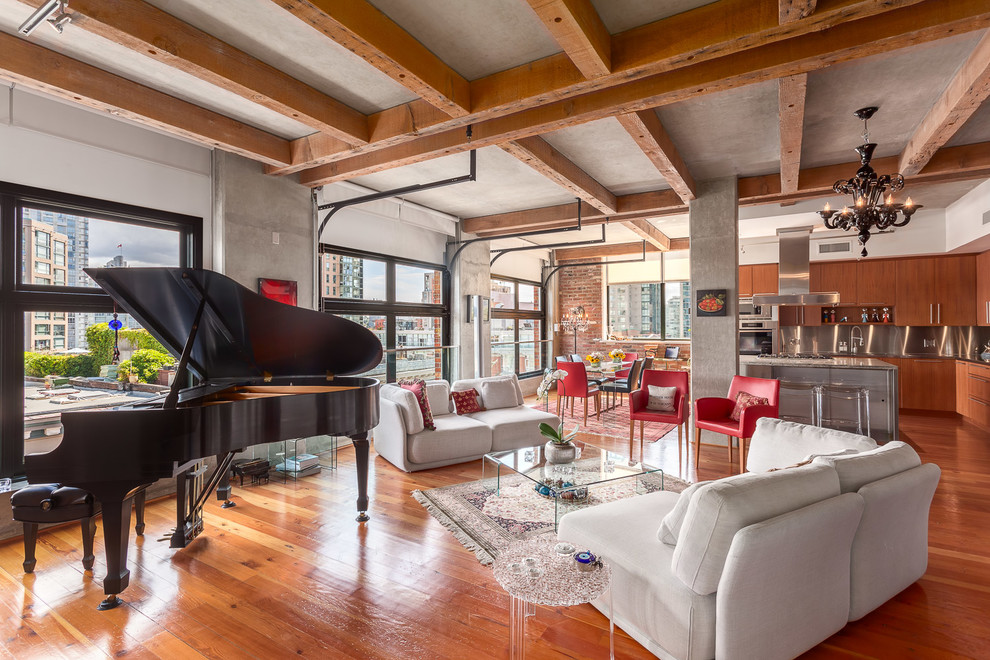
{"x":794,"y":272}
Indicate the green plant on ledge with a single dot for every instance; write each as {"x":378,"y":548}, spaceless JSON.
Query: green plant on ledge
{"x":556,"y":435}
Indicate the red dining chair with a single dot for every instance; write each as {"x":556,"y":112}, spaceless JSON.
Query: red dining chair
{"x":715,"y":414}
{"x":576,"y":385}
{"x":624,"y":373}
{"x":639,"y":412}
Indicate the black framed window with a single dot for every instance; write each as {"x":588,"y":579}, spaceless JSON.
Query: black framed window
{"x":404,"y":302}
{"x":47,"y":302}
{"x":650,"y":310}
{"x":518,"y":326}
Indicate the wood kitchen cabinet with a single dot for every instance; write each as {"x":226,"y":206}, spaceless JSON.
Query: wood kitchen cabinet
{"x":765,"y":279}
{"x":835,"y":276}
{"x":873,"y":282}
{"x":983,"y":289}
{"x":927,"y":383}
{"x":936,"y":291}
{"x":745,"y":281}
{"x":976,"y":393}
{"x":962,"y":388}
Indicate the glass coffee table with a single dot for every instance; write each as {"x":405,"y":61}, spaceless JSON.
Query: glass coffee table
{"x":570,"y":485}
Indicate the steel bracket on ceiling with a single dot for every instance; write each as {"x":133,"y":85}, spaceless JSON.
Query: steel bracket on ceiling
{"x":499,"y":253}
{"x":333,"y":207}
{"x":461,"y":244}
{"x":554,"y":269}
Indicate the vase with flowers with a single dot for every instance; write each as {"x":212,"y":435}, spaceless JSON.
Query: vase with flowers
{"x":550,"y":376}
{"x":617,"y":355}
{"x":560,"y":448}
{"x":594,"y":359}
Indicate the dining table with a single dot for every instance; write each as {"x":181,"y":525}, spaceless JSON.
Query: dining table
{"x":607,"y":370}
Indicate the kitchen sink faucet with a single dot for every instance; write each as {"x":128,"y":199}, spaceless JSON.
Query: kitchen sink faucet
{"x":853,"y":339}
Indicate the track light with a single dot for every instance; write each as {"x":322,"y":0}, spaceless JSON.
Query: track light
{"x":44,"y":13}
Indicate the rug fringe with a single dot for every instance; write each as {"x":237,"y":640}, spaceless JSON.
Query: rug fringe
{"x":462,"y":537}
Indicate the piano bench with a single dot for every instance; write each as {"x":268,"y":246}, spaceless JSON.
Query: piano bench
{"x":42,"y":504}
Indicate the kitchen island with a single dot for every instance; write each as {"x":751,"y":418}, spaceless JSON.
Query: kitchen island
{"x":847,"y":393}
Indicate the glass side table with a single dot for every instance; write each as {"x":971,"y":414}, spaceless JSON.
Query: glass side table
{"x":283,"y":456}
{"x":534,"y":573}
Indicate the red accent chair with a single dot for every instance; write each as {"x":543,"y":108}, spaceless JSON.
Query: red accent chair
{"x":714,"y":414}
{"x":575,"y":385}
{"x":624,"y":373}
{"x":639,"y":412}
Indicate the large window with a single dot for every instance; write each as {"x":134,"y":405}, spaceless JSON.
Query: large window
{"x":47,"y":302}
{"x":651,"y":300}
{"x":403,"y":302}
{"x":517,"y":327}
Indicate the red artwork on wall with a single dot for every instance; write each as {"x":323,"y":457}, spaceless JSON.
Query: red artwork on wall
{"x":283,"y":291}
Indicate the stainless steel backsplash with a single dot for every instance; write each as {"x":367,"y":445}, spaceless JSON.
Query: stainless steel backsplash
{"x":889,"y":340}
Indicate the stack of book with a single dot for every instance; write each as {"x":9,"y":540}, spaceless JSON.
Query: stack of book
{"x":300,"y":465}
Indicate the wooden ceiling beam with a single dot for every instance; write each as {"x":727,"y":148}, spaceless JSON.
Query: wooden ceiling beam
{"x":38,"y":68}
{"x":361,"y":28}
{"x":542,"y":157}
{"x":615,"y":250}
{"x":964,"y":163}
{"x":794,"y":10}
{"x":144,"y":29}
{"x":577,"y":28}
{"x":964,"y":94}
{"x":713,"y":31}
{"x":645,"y":230}
{"x":926,"y":21}
{"x":649,"y":134}
{"x":791,"y":94}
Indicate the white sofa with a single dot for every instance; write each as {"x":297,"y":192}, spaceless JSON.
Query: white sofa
{"x":765,"y":564}
{"x":506,"y":424}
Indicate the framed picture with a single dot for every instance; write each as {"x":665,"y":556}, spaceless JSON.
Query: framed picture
{"x":283,"y":291}
{"x":486,"y":309}
{"x":711,"y":302}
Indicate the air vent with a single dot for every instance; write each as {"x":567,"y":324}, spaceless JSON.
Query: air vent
{"x":986,"y":218}
{"x":826,"y":248}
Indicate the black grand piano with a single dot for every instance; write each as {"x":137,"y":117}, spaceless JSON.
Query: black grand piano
{"x":265,"y":372}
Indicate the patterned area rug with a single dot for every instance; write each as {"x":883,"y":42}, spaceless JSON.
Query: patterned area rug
{"x":613,"y":423}
{"x":486,"y":523}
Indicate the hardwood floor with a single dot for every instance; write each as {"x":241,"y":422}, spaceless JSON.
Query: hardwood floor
{"x":288,"y":572}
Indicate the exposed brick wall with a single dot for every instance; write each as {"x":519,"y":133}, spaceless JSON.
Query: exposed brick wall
{"x":584,"y":286}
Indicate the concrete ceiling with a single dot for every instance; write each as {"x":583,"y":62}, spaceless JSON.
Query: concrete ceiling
{"x":734,"y":132}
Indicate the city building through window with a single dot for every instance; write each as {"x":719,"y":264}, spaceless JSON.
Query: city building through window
{"x":517,"y":327}
{"x":652,"y":300}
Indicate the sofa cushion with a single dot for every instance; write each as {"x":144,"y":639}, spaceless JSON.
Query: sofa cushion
{"x":670,"y":526}
{"x":777,"y":443}
{"x":412,"y":418}
{"x":860,"y":469}
{"x":513,"y":428}
{"x":721,"y":508}
{"x":456,"y":436}
{"x":745,"y":400}
{"x":418,"y":387}
{"x":476,"y":383}
{"x":466,"y":401}
{"x":438,"y":392}
{"x":650,"y":603}
{"x":499,"y":393}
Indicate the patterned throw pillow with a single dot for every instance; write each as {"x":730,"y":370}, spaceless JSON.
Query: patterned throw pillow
{"x":745,"y":400}
{"x":662,"y":399}
{"x":466,"y":402}
{"x":418,"y":387}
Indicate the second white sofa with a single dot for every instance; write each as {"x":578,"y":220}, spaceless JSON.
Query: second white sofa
{"x":507,"y":423}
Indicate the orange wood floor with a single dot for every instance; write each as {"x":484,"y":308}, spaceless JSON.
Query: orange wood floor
{"x":289,"y":573}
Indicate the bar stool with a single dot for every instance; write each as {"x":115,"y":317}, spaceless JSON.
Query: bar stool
{"x":861,"y":395}
{"x":42,"y":504}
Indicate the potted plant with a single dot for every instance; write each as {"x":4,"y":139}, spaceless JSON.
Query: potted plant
{"x":559,"y":449}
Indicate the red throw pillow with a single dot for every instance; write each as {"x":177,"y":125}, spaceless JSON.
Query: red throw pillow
{"x":418,"y":387}
{"x":745,"y":400}
{"x":466,"y":401}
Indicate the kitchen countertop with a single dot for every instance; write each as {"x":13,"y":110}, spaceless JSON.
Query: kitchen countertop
{"x":834,"y":363}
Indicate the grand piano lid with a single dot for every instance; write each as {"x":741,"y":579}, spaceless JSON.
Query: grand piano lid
{"x":242,"y":335}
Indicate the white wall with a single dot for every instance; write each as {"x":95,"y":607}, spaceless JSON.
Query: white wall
{"x":925,"y":234}
{"x":49,"y":144}
{"x":964,"y":220}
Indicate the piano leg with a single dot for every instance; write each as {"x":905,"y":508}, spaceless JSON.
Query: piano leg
{"x":139,"y":499}
{"x":116,"y":528}
{"x":361,"y":457}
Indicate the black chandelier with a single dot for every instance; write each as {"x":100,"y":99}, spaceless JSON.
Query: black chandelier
{"x":870,"y":210}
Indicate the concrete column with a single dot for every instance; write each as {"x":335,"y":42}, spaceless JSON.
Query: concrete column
{"x":470,"y":276}
{"x":714,"y":218}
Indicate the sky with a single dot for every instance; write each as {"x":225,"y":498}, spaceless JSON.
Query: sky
{"x":142,"y":246}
